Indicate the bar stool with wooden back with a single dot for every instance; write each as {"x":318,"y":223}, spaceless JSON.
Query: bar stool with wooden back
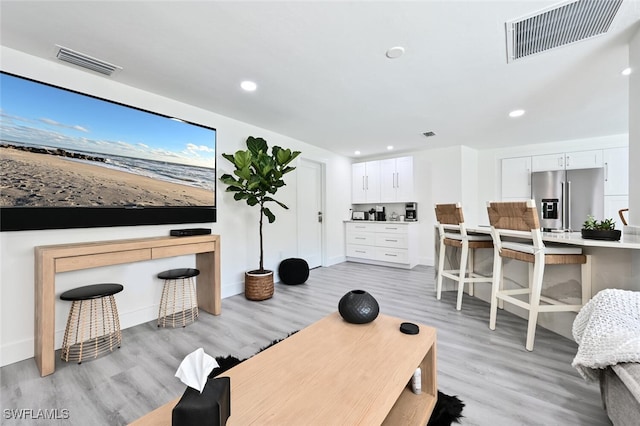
{"x":525,"y":244}
{"x":453,"y":233}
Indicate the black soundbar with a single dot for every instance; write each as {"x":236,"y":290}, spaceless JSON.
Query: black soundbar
{"x":189,"y":232}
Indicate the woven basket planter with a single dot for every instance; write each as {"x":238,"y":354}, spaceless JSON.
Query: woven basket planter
{"x":258,"y":285}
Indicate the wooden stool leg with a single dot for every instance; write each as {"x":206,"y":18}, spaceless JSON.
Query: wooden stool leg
{"x":495,"y":285}
{"x":534,"y":300}
{"x":441,"y":257}
{"x":462,"y":273}
{"x":585,"y":270}
{"x":471,"y":269}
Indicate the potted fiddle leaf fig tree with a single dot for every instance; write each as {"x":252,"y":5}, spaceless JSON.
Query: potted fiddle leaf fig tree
{"x":257,"y":177}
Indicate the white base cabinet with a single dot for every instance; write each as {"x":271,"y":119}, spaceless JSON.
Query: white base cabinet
{"x":382,"y":243}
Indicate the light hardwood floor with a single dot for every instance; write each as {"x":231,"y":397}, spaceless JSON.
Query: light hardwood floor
{"x":498,"y":380}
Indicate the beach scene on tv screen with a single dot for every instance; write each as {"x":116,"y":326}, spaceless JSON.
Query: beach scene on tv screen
{"x":60,"y":148}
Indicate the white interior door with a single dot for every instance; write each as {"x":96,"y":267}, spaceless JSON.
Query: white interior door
{"x":310,"y":212}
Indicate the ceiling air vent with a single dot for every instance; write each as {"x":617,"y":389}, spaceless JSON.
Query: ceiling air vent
{"x":86,"y":61}
{"x":562,"y":24}
{"x":429,"y":134}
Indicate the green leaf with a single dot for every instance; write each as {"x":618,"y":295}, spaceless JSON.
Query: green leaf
{"x":257,"y":145}
{"x":269,"y":215}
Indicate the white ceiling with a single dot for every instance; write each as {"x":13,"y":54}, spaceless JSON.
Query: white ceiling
{"x":323,"y":76}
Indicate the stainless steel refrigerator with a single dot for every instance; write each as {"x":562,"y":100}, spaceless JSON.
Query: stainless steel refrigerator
{"x":564,"y":198}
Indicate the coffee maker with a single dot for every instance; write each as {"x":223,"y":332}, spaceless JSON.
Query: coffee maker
{"x":411,"y":212}
{"x":380,"y":214}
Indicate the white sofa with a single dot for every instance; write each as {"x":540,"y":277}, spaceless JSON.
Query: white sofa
{"x":620,"y":388}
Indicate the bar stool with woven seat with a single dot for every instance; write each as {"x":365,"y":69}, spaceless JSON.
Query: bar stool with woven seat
{"x":520,"y":222}
{"x":453,"y":233}
{"x":93,"y":326}
{"x":179,"y":303}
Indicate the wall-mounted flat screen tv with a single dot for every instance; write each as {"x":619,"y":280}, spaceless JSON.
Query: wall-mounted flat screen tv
{"x":70,"y":160}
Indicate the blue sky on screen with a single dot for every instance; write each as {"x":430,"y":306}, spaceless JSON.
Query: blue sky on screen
{"x":41,"y":115}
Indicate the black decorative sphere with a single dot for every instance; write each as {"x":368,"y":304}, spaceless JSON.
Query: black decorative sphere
{"x":358,"y":307}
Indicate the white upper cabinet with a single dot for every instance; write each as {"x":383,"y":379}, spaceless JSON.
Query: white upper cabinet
{"x":584,"y":159}
{"x":396,"y":179}
{"x":365,"y":182}
{"x":616,"y":171}
{"x":567,"y":161}
{"x":543,"y":163}
{"x":516,"y":178}
{"x":388,"y":180}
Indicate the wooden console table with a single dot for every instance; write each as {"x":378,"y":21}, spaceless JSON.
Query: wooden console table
{"x":332,"y":372}
{"x":53,"y":259}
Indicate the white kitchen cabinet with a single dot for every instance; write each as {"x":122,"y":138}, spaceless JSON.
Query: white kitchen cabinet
{"x":396,"y":179}
{"x":365,"y":182}
{"x":583,"y":159}
{"x":567,"y":161}
{"x":542,"y":163}
{"x":516,"y":178}
{"x":616,"y":171}
{"x":382,"y":243}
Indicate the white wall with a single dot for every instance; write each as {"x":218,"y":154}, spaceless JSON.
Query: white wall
{"x":634,"y":130}
{"x":634,"y":144}
{"x":237,"y":223}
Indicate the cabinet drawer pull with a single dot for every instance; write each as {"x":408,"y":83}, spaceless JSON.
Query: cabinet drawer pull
{"x":391,"y":255}
{"x":360,"y":251}
{"x":391,"y":241}
{"x":360,"y":238}
{"x":391,"y":227}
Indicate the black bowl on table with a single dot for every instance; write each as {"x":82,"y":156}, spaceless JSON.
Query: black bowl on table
{"x":596,"y":234}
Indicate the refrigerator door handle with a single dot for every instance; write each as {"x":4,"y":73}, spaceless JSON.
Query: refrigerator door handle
{"x":569,"y":204}
{"x":564,"y":206}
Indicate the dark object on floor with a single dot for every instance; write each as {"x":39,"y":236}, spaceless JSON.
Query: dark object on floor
{"x":293,"y":271}
{"x":212,"y":407}
{"x":448,"y":409}
{"x":358,"y":307}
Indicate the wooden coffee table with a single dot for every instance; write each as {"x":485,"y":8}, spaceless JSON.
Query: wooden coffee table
{"x":333,"y":372}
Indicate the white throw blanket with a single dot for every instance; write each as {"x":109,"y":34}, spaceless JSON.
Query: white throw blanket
{"x":607,"y":330}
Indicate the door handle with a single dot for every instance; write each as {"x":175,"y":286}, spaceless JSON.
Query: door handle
{"x":569,"y":205}
{"x":320,"y":217}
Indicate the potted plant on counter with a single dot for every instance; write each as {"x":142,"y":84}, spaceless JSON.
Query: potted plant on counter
{"x":257,"y":176}
{"x":602,"y":230}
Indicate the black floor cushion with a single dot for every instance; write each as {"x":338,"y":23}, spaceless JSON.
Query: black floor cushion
{"x":293,"y":271}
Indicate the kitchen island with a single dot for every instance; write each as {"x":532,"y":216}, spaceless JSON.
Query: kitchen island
{"x":614,"y":264}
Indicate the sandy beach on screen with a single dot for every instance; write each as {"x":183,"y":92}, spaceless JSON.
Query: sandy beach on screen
{"x":40,"y":180}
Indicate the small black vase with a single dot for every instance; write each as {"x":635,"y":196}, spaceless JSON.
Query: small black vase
{"x":358,"y":307}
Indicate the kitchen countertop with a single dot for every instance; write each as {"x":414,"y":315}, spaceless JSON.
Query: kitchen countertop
{"x":380,"y":221}
{"x":627,"y":241}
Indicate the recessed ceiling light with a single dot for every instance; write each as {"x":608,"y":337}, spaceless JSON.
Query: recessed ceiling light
{"x":516,"y":113}
{"x":249,"y":86}
{"x":395,"y":52}
{"x":357,"y":153}
{"x":390,"y":147}
{"x":626,"y":71}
